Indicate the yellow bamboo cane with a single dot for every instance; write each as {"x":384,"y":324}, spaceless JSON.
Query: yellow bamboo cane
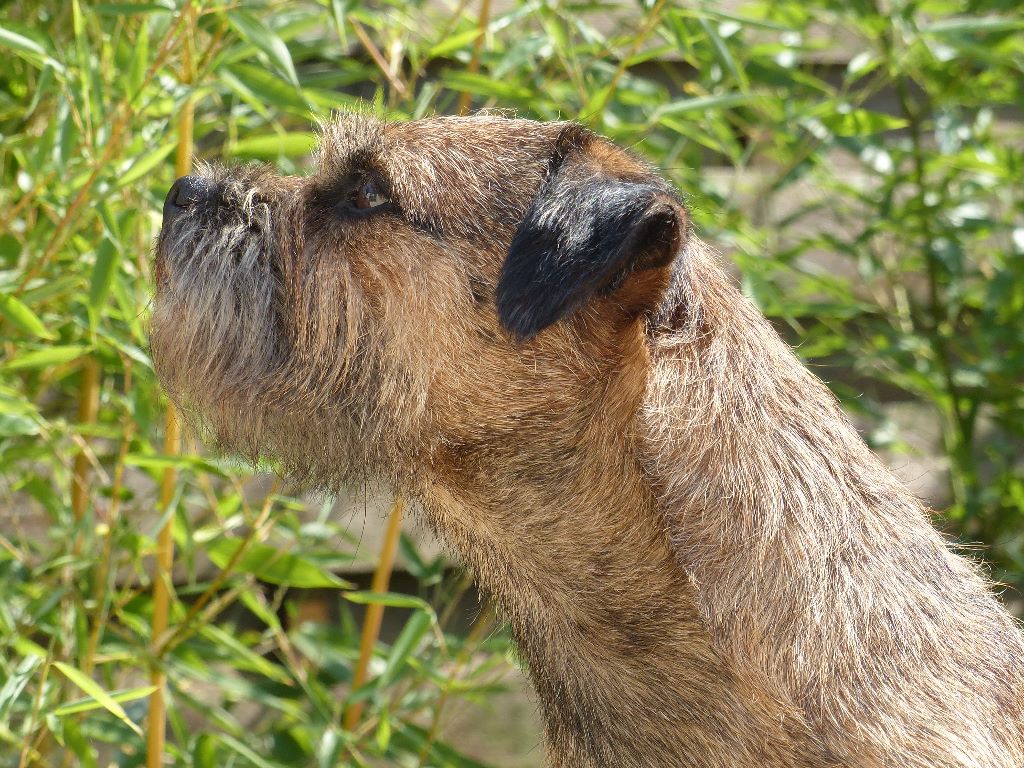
{"x":156,"y":726}
{"x":375,"y":612}
{"x":465,"y":99}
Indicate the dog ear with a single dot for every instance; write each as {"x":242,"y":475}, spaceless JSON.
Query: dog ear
{"x":586,"y":233}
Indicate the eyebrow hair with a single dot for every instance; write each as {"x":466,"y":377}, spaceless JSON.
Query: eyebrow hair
{"x":363,"y":162}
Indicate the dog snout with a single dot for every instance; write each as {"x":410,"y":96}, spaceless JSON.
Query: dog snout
{"x":185,"y":193}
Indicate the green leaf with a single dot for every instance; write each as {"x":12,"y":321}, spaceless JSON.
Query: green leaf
{"x":139,"y":62}
{"x":482,"y":85}
{"x":90,"y":687}
{"x":453,"y":43}
{"x":146,"y":163}
{"x":413,"y":631}
{"x":272,"y":565}
{"x":328,"y":749}
{"x":244,"y":658}
{"x":246,"y":752}
{"x":860,"y":122}
{"x":16,"y":683}
{"x":20,"y":315}
{"x":414,"y":737}
{"x":161,"y":462}
{"x":127,"y":9}
{"x":389,"y":599}
{"x":9,"y":247}
{"x":204,"y":753}
{"x":274,"y":146}
{"x":383,"y":737}
{"x":108,"y":258}
{"x":969,"y":24}
{"x":44,"y":358}
{"x":268,"y":89}
{"x":253,"y":31}
{"x":70,"y":732}
{"x":704,"y":103}
{"x":85,"y":705}
{"x":338,"y":12}
{"x":28,"y":49}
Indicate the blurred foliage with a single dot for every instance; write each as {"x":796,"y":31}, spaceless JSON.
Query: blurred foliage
{"x":860,"y":162}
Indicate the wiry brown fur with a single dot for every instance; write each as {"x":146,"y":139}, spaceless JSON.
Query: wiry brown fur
{"x":702,"y":563}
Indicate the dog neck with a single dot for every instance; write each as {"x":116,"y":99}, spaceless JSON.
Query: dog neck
{"x":813,"y":568}
{"x":569,"y":540}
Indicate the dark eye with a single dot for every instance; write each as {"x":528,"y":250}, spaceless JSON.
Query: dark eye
{"x":368,"y":195}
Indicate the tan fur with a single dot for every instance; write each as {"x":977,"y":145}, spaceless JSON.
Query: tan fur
{"x":702,"y":563}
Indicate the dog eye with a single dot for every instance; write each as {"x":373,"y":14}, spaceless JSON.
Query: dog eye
{"x":368,"y":195}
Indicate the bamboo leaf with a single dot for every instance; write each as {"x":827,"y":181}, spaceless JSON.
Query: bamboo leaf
{"x":44,"y":358}
{"x":92,"y":688}
{"x":704,"y":103}
{"x":161,"y":462}
{"x":389,"y":599}
{"x":976,"y":24}
{"x":28,"y":49}
{"x":481,"y":85}
{"x":860,"y":122}
{"x":253,"y":31}
{"x":413,"y":631}
{"x":269,"y":89}
{"x":108,"y":258}
{"x":272,"y":565}
{"x":278,"y":145}
{"x":146,"y":163}
{"x":86,"y":705}
{"x":24,"y":318}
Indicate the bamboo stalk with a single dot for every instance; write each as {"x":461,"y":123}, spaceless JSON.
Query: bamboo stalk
{"x":156,"y":725}
{"x":375,"y":612}
{"x":156,"y":721}
{"x":465,"y":98}
{"x":88,"y":406}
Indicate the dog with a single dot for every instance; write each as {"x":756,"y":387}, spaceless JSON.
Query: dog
{"x":702,"y":563}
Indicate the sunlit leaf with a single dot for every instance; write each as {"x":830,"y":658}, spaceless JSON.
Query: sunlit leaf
{"x":93,"y":689}
{"x":180,"y":462}
{"x":108,"y":257}
{"x":272,"y":565}
{"x":278,"y":145}
{"x":46,"y":357}
{"x":390,"y":599}
{"x":256,"y":32}
{"x":24,"y":318}
{"x":702,"y":103}
{"x":860,"y":122}
{"x":145,"y":164}
{"x":415,"y":628}
{"x":85,"y":705}
{"x":28,"y":49}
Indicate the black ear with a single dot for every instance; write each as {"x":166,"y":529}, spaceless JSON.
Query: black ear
{"x":585,"y":233}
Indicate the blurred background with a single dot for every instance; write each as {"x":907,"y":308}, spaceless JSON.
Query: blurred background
{"x":859,"y":163}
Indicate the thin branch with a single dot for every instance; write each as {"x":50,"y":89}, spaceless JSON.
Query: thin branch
{"x":375,"y":611}
{"x":377,"y":57}
{"x":465,"y":98}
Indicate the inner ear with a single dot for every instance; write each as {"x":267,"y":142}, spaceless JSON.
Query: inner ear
{"x":654,"y":243}
{"x":586,"y":233}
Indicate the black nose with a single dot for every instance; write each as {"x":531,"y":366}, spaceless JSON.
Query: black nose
{"x":185,"y":192}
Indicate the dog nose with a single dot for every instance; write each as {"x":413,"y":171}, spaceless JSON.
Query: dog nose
{"x":185,"y":192}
